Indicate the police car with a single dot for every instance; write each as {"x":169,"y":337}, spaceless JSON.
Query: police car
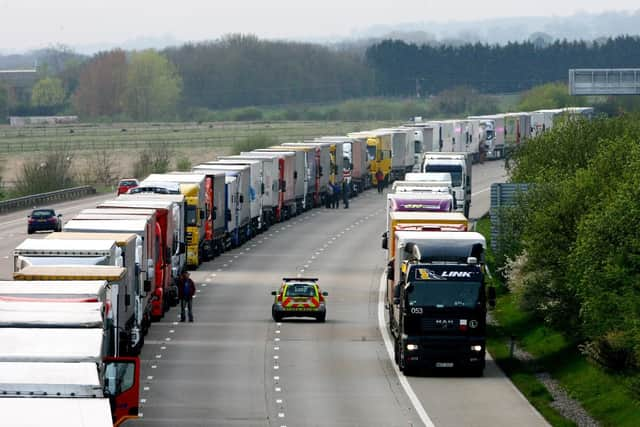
{"x":299,"y":297}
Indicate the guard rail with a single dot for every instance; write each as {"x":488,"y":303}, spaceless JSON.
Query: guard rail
{"x":45,"y":198}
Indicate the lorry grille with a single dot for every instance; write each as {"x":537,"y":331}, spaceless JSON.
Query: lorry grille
{"x":189,"y":237}
{"x":430,"y":324}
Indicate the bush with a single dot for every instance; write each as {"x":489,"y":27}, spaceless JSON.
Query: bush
{"x":253,"y":142}
{"x":152,"y":160}
{"x":52,"y":172}
{"x":99,"y":169}
{"x":183,"y":164}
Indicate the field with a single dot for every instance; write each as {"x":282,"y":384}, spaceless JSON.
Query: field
{"x":123,"y":142}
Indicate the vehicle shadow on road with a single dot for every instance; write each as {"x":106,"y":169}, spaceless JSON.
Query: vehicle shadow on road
{"x":491,"y":370}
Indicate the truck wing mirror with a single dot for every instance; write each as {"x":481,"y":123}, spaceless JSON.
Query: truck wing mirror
{"x":262,"y":188}
{"x":147,"y":286}
{"x":283,"y":185}
{"x":385,"y":241}
{"x":492,"y":296}
{"x":325,"y":294}
{"x":181,"y":248}
{"x":127,"y":300}
{"x":241,"y":198}
{"x":295,"y":174}
{"x":201,"y":214}
{"x":274,"y":293}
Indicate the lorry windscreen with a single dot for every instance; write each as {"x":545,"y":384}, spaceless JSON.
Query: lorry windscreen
{"x":371,"y":152}
{"x":444,"y":294}
{"x":454,"y":170}
{"x":191,"y":216}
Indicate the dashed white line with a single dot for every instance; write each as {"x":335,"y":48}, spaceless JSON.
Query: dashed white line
{"x":389,"y":346}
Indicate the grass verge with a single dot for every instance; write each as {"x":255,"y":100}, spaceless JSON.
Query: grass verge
{"x":604,"y":395}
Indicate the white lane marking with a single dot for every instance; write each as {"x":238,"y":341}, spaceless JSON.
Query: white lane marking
{"x":167,"y":339}
{"x":164,"y":347}
{"x":158,"y":356}
{"x":204,"y":285}
{"x":276,"y":367}
{"x":279,"y":401}
{"x":276,"y":378}
{"x":276,"y":357}
{"x":146,"y":389}
{"x":175,"y":323}
{"x":171,"y":331}
{"x":278,"y":389}
{"x":281,"y":414}
{"x":276,"y":348}
{"x":149,"y":377}
{"x":143,"y":400}
{"x":154,"y":366}
{"x":424,"y":417}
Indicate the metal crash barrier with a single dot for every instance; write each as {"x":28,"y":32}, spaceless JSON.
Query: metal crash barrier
{"x":45,"y":198}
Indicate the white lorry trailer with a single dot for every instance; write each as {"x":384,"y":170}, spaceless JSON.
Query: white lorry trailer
{"x":459,"y":166}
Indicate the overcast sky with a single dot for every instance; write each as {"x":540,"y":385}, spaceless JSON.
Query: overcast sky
{"x":36,"y":23}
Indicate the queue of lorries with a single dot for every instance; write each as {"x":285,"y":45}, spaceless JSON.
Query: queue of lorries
{"x":74,"y":318}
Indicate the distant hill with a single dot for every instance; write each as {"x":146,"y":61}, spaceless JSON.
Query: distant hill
{"x":583,"y":26}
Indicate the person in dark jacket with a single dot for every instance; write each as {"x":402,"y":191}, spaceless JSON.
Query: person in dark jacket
{"x":186,"y":291}
{"x":346,"y":187}
{"x":380,"y":180}
{"x":336,"y":195}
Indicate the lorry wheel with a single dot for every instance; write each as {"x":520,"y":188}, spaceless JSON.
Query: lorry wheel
{"x":396,"y":352}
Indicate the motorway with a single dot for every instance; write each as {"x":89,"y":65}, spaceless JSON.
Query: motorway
{"x":235,"y":366}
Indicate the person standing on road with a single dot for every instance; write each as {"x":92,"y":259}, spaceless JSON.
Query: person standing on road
{"x":186,"y":291}
{"x":345,"y":193}
{"x":329,"y":201}
{"x":380,"y":180}
{"x":336,"y":195}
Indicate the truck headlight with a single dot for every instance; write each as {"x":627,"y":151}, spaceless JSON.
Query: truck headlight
{"x":412,"y":347}
{"x":476,"y":348}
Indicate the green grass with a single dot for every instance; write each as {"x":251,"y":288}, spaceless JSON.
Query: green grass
{"x":136,"y":136}
{"x":604,"y":395}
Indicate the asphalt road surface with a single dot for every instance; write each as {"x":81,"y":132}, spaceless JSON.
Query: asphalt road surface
{"x":234,"y":366}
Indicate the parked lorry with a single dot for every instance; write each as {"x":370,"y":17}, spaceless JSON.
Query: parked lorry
{"x":459,"y":166}
{"x":321,"y":175}
{"x":250,"y":178}
{"x":495,"y":134}
{"x":288,"y":174}
{"x":297,"y":179}
{"x":199,"y":203}
{"x":378,"y":152}
{"x":278,"y":179}
{"x":438,"y":304}
{"x":354,"y":152}
{"x":127,"y":319}
{"x":266,"y":169}
{"x":310,"y":174}
{"x":398,"y":220}
{"x":517,"y":129}
{"x":402,"y":152}
{"x":241,"y":219}
{"x":170,"y":217}
{"x":63,"y":377}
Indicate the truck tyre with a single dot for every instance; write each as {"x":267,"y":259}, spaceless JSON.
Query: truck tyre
{"x":396,"y":352}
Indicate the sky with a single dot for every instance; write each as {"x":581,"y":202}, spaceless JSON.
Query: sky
{"x":27,"y":24}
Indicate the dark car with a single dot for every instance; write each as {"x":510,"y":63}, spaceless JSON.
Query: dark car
{"x":44,"y":220}
{"x":126,"y":184}
{"x":299,"y":297}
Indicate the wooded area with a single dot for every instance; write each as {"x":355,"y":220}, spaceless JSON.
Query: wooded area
{"x":574,"y":253}
{"x":513,"y":67}
{"x":240,"y":71}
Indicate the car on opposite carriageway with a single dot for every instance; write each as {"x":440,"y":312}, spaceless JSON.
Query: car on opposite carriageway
{"x":44,"y":219}
{"x":299,"y":297}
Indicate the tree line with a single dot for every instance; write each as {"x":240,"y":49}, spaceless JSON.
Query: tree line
{"x":514,"y":67}
{"x":571,"y":249}
{"x":239,"y":71}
